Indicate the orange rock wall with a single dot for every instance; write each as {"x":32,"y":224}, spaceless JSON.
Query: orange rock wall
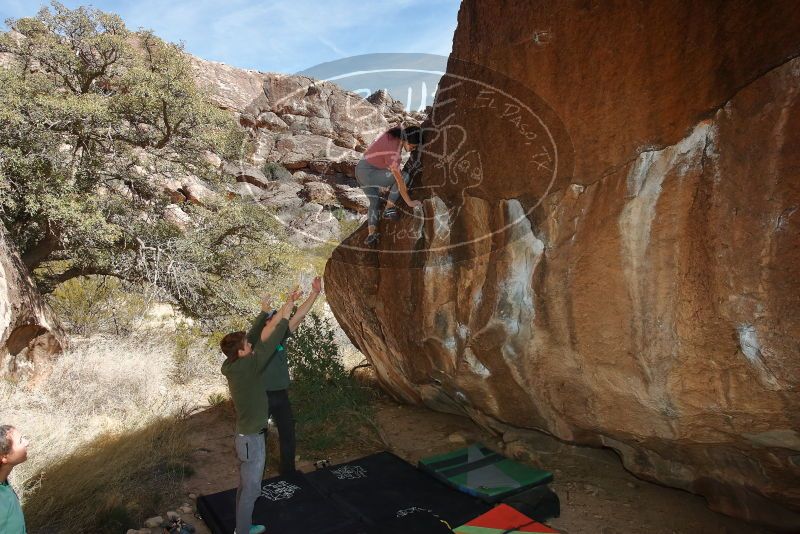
{"x":647,"y":298}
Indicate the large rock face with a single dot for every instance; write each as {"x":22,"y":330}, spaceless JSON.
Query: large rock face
{"x":623,"y":272}
{"x":29,"y":334}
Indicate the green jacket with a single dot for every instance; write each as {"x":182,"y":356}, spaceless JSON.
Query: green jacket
{"x":277,"y":375}
{"x":246,"y":377}
{"x":11,"y":519}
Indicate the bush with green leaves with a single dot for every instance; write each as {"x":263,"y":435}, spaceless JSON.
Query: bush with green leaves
{"x":94,"y":120}
{"x":331,"y":409}
{"x":217,"y":399}
{"x":98,"y":304}
{"x":276,"y":171}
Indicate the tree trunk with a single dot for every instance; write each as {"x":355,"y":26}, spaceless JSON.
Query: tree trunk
{"x":30,"y":334}
{"x":40,"y":252}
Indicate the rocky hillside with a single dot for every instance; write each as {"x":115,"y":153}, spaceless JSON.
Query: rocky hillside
{"x":610,"y":247}
{"x":306,"y":138}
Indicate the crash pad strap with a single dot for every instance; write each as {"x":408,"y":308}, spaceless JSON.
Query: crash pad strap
{"x":477,"y":464}
{"x":458,"y":460}
{"x":470,"y":529}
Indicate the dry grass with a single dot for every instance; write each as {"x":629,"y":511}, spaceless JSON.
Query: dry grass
{"x":112,"y":483}
{"x":105,"y":428}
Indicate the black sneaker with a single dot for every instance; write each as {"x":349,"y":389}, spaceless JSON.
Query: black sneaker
{"x":372,"y":239}
{"x":322,"y":464}
{"x":178,"y":526}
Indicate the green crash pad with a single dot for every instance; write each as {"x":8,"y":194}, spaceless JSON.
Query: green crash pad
{"x":481,"y":472}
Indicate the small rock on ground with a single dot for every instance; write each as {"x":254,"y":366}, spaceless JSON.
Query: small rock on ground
{"x":154,"y":522}
{"x":456,"y":437}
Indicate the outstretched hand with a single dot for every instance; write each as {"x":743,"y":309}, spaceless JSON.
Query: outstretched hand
{"x":266,"y":302}
{"x":295,"y":294}
{"x":316,"y":284}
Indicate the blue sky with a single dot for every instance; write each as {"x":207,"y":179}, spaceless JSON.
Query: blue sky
{"x":282,"y":35}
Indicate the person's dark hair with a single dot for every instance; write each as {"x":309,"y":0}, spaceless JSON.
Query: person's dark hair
{"x":231,"y":343}
{"x":410,"y":134}
{"x":5,"y":439}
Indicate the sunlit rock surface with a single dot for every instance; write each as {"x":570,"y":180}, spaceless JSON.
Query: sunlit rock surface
{"x":644,"y":292}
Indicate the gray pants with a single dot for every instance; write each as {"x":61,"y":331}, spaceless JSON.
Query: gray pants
{"x":252,"y":454}
{"x":371,"y":179}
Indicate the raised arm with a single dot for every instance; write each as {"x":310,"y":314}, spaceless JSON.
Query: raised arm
{"x":283,"y":313}
{"x":260,"y":321}
{"x":265,"y":348}
{"x":299,"y":315}
{"x":256,"y":328}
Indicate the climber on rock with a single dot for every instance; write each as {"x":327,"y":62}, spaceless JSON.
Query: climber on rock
{"x":379,"y":168}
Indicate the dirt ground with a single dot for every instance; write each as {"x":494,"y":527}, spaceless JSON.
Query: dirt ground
{"x":597,"y":494}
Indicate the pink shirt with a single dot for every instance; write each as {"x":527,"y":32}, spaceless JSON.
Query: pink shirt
{"x":384,"y":151}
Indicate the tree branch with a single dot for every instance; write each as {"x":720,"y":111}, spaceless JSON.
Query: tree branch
{"x":227,"y":233}
{"x":49,"y":283}
{"x":168,"y":133}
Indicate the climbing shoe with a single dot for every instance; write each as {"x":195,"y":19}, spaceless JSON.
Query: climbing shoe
{"x":372,"y":239}
{"x":391,"y":214}
{"x":177,"y":526}
{"x":322,"y":464}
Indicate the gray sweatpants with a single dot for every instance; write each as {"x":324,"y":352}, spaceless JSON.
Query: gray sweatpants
{"x":371,"y":179}
{"x":252,"y":454}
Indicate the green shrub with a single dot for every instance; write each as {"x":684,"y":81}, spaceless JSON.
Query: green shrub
{"x":79,"y":151}
{"x":276,"y":171}
{"x":315,"y":356}
{"x":332,"y":411}
{"x":217,"y":399}
{"x":93,"y":304}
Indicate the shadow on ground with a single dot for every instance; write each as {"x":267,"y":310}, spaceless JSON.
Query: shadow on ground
{"x":597,"y":494}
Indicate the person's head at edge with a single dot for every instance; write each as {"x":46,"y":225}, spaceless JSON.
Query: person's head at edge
{"x":235,"y":345}
{"x":410,"y":136}
{"x":13,"y":449}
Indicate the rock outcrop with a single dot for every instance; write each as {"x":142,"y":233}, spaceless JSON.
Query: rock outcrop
{"x":612,"y":257}
{"x":313,"y":129}
{"x":29,"y":334}
{"x":393,"y":110}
